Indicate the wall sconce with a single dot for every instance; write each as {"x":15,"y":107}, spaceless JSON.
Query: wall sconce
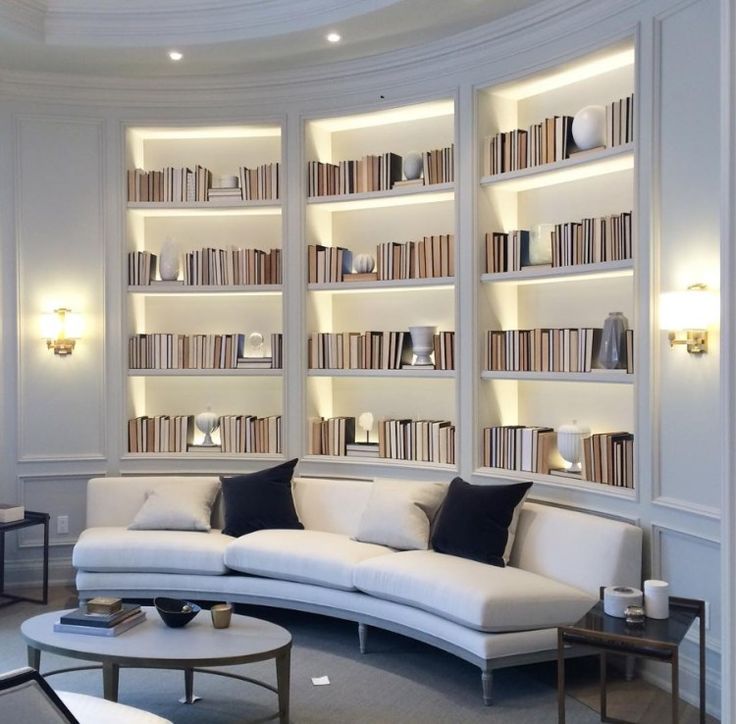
{"x":61,"y":329}
{"x":687,"y":315}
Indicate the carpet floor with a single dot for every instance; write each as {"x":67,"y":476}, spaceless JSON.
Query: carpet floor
{"x":400,"y":681}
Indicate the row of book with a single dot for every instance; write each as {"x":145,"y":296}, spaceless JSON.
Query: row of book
{"x":399,"y":439}
{"x":620,"y":121}
{"x":209,"y":266}
{"x":592,"y":240}
{"x":519,"y":447}
{"x":374,"y":351}
{"x":438,"y":166}
{"x":608,"y":458}
{"x":431,"y":257}
{"x":370,"y":173}
{"x":175,"y":434}
{"x":199,"y":351}
{"x":186,"y":185}
{"x":589,"y":241}
{"x":545,"y":142}
{"x":250,"y":434}
{"x":328,"y":263}
{"x":549,"y":350}
{"x":262,"y":183}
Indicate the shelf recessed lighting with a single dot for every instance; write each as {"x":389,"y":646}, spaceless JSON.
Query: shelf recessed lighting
{"x":334,"y":37}
{"x":175,"y":55}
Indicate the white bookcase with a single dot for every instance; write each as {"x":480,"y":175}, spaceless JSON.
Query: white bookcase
{"x":360,"y":222}
{"x":171,"y":307}
{"x":591,"y":185}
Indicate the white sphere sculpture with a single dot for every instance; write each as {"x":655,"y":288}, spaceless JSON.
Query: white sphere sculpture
{"x":589,"y":127}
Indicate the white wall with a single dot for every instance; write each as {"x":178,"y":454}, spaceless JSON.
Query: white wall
{"x":61,"y":232}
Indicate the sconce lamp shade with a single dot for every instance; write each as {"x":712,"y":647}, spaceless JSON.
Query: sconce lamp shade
{"x":61,"y":329}
{"x":695,"y":308}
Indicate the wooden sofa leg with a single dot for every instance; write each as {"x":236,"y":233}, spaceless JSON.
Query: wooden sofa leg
{"x":363,"y":637}
{"x":487,"y":680}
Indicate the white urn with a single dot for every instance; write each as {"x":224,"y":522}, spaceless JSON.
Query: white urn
{"x":364,"y":264}
{"x":207,"y":422}
{"x":168,"y":260}
{"x":422,"y":343}
{"x":570,"y":445}
{"x":589,"y":127}
{"x":413,"y":164}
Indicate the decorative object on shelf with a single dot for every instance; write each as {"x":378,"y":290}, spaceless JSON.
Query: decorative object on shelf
{"x":413,"y":164}
{"x":589,"y":127}
{"x":611,"y":353}
{"x":617,"y":598}
{"x":687,"y":315}
{"x":635,"y":616}
{"x":168,"y":261}
{"x":61,"y":329}
{"x":422,"y":344}
{"x":540,"y":244}
{"x":364,"y":264}
{"x":365,"y":423}
{"x":207,"y":422}
{"x":254,"y":345}
{"x":657,"y":599}
{"x":175,"y":612}
{"x":221,"y":614}
{"x":570,"y":445}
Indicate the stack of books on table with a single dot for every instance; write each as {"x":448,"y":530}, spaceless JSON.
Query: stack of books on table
{"x":101,"y":617}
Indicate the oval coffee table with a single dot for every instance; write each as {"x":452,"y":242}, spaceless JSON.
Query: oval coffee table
{"x":153,"y":645}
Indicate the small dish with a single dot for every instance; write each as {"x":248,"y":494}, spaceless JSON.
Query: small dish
{"x":175,"y":612}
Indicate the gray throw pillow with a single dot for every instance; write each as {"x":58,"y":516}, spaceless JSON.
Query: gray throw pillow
{"x":399,"y":513}
{"x":177,"y":507}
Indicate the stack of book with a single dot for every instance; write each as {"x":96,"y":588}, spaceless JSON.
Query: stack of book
{"x":226,"y":193}
{"x":620,"y":121}
{"x":507,"y":251}
{"x":362,"y":450}
{"x":516,"y":447}
{"x":141,"y":268}
{"x":371,"y":173}
{"x":109,"y":619}
{"x":439,"y":165}
{"x":444,"y":351}
{"x":433,"y":256}
{"x":177,"y":185}
{"x":328,"y":263}
{"x":608,"y":458}
{"x":11,"y":513}
{"x":225,"y":267}
{"x":420,"y":440}
{"x":331,"y":436}
{"x":261,"y":183}
{"x":250,"y":434}
{"x":592,"y":240}
{"x":160,"y":433}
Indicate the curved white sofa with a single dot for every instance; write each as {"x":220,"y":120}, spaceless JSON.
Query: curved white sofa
{"x":490,"y":616}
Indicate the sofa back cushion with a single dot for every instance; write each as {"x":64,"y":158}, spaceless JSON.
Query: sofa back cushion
{"x":333,"y":506}
{"x":582,"y":550}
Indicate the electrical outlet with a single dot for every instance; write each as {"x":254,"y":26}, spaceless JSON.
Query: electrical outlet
{"x":62,"y":524}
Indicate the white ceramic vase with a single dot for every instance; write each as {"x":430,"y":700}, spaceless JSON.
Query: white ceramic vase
{"x":589,"y":127}
{"x":422,"y":343}
{"x":207,"y":423}
{"x":364,"y":264}
{"x":413,"y":165}
{"x":168,"y":260}
{"x":611,"y":353}
{"x":570,"y":445}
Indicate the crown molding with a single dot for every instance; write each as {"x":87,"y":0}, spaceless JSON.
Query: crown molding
{"x":141,"y":23}
{"x":497,"y":42}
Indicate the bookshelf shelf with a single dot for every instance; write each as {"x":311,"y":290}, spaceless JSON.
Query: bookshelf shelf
{"x":151,"y":209}
{"x":424,"y":374}
{"x":435,"y":193}
{"x":557,"y":482}
{"x":583,"y":166}
{"x":543,"y":274}
{"x":430,"y":283}
{"x":207,"y":373}
{"x":179,"y":288}
{"x":203,"y":456}
{"x":378,"y":462}
{"x":597,"y":376}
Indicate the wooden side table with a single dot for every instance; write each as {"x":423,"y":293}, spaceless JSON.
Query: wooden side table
{"x":31,"y":518}
{"x":656,"y":639}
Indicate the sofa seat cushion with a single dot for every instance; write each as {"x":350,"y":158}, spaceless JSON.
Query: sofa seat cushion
{"x":151,"y":551}
{"x":306,"y":556}
{"x":478,"y":595}
{"x":93,"y":710}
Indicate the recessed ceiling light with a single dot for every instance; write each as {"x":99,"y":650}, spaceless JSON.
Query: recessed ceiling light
{"x":334,"y":37}
{"x":175,"y":55}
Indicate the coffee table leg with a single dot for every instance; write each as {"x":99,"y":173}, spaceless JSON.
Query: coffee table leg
{"x":110,"y":680}
{"x":189,"y":697}
{"x":34,"y":658}
{"x":283,"y":675}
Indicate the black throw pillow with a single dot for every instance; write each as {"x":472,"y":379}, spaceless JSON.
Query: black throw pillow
{"x":259,"y":500}
{"x":474,"y":520}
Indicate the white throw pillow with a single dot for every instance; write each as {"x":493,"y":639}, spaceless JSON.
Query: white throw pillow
{"x":399,"y":514}
{"x":512,"y":530}
{"x":177,"y":507}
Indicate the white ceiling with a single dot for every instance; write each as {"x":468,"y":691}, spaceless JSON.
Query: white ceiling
{"x":131,"y":37}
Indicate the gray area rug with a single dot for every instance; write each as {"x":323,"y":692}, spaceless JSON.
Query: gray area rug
{"x":400,"y":681}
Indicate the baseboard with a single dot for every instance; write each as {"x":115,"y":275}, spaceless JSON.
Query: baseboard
{"x":659,"y":675}
{"x":23,"y":574}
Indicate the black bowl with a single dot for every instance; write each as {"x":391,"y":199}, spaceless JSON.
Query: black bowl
{"x":174,"y":612}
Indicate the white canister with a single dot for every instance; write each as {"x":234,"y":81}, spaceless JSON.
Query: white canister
{"x":657,"y":599}
{"x":616,"y":599}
